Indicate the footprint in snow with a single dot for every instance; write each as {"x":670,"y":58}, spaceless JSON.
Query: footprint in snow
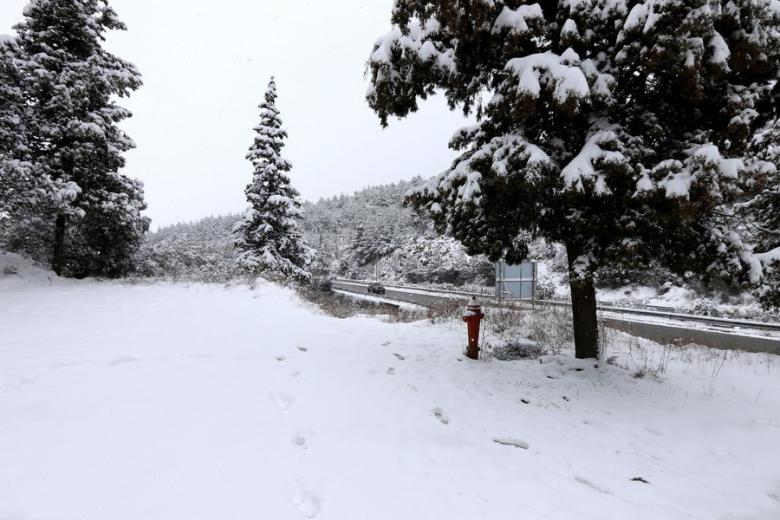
{"x":123,"y":360}
{"x":279,"y":358}
{"x":586,"y":482}
{"x":390,"y":371}
{"x":511,"y":441}
{"x":200,"y":356}
{"x":303,"y":349}
{"x":399,"y":357}
{"x":63,"y":365}
{"x":296,"y":373}
{"x":283,"y":401}
{"x":386,"y":343}
{"x":306,"y":501}
{"x":300,"y":441}
{"x":441,"y":416}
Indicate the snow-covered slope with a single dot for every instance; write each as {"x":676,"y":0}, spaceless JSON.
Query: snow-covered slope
{"x":17,"y":272}
{"x":196,"y":402}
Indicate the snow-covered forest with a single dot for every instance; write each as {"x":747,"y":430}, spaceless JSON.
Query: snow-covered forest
{"x":341,"y":339}
{"x":366,"y":235}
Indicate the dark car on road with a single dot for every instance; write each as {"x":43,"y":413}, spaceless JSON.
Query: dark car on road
{"x":376,"y":288}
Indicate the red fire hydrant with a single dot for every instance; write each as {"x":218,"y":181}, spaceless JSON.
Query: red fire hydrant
{"x":472,"y":317}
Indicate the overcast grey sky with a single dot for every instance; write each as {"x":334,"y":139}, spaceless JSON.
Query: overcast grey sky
{"x":206,"y":65}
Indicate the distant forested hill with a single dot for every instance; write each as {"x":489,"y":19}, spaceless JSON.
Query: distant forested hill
{"x":201,"y":250}
{"x":364,"y":235}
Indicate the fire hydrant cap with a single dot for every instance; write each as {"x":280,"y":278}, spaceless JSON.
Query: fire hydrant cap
{"x":473,"y":309}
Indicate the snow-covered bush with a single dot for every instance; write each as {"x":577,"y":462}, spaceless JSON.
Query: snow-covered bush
{"x":516,"y":349}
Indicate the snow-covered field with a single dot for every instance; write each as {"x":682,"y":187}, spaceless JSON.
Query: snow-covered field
{"x":172,"y":402}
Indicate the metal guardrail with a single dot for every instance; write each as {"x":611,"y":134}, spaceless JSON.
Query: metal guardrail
{"x":679,"y":316}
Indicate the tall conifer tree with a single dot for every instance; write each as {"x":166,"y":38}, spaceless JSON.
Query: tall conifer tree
{"x":269,"y":237}
{"x":74,"y":143}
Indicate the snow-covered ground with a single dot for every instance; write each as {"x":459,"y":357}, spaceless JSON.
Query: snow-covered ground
{"x":128,"y":402}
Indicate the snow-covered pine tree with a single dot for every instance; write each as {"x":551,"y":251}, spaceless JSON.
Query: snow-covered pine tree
{"x":762,"y":210}
{"x":357,"y":247}
{"x":269,"y":237}
{"x":70,"y":84}
{"x":25,"y":194}
{"x":617,"y":128}
{"x":14,"y":170}
{"x":373,"y":240}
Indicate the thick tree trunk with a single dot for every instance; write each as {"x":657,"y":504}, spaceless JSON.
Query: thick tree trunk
{"x":58,"y":257}
{"x":583,"y":306}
